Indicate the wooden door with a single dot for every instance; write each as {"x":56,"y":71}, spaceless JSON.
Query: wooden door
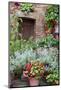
{"x":27,"y":28}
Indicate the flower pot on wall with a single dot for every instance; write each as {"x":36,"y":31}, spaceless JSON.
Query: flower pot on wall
{"x":56,"y":32}
{"x":33,"y":82}
{"x":50,"y":28}
{"x":47,"y":30}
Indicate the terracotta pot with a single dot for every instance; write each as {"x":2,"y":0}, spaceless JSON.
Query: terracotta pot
{"x":52,"y":29}
{"x":56,"y":32}
{"x":47,"y":30}
{"x":33,"y":82}
{"x":56,"y":36}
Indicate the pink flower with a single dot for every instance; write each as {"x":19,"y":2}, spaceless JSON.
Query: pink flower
{"x":25,"y":73}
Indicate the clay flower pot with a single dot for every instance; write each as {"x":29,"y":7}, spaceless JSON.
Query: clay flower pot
{"x":33,"y":82}
{"x":47,"y":30}
{"x":56,"y":32}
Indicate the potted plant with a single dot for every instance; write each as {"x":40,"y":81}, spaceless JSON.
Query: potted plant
{"x":34,"y":71}
{"x":51,"y":18}
{"x":56,"y":32}
{"x":53,"y":78}
{"x":26,"y":8}
{"x":17,"y":72}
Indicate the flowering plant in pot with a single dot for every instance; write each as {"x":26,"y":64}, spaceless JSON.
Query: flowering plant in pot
{"x":34,"y":71}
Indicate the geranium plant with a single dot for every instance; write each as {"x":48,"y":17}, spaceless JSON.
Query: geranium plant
{"x":34,"y":69}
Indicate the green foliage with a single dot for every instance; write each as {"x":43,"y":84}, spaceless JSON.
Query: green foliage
{"x":53,"y":77}
{"x":14,"y":40}
{"x":48,"y":41}
{"x":21,"y":58}
{"x":26,"y":7}
{"x":17,"y":44}
{"x":14,"y":46}
{"x":17,"y":71}
{"x":22,"y":45}
{"x":49,"y":56}
{"x":30,"y":44}
{"x":52,"y":13}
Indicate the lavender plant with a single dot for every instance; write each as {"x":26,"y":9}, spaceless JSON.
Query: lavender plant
{"x":21,"y":58}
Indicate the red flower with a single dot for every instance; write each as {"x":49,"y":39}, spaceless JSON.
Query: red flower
{"x":28,"y":67}
{"x":42,"y":65}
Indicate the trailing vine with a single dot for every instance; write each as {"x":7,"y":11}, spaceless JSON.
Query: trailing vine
{"x":52,"y":15}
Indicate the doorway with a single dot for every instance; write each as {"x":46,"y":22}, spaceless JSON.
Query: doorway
{"x":28,"y":28}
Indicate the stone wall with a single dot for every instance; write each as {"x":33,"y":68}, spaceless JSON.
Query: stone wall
{"x":38,"y":15}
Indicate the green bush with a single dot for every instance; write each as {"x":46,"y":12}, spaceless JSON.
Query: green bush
{"x":53,"y":77}
{"x":22,"y":45}
{"x":52,"y":13}
{"x":48,"y":41}
{"x":21,"y":58}
{"x":14,"y":43}
{"x":26,"y":7}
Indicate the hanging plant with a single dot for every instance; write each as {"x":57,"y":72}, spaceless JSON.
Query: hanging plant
{"x":26,"y":7}
{"x":52,"y":16}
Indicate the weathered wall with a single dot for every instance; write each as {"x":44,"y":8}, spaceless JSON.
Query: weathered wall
{"x":40,"y":21}
{"x":38,"y":15}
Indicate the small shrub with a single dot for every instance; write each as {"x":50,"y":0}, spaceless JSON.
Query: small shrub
{"x":53,"y":77}
{"x":48,"y":41}
{"x":52,"y":14}
{"x":21,"y":59}
{"x":26,"y":7}
{"x":49,"y":57}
